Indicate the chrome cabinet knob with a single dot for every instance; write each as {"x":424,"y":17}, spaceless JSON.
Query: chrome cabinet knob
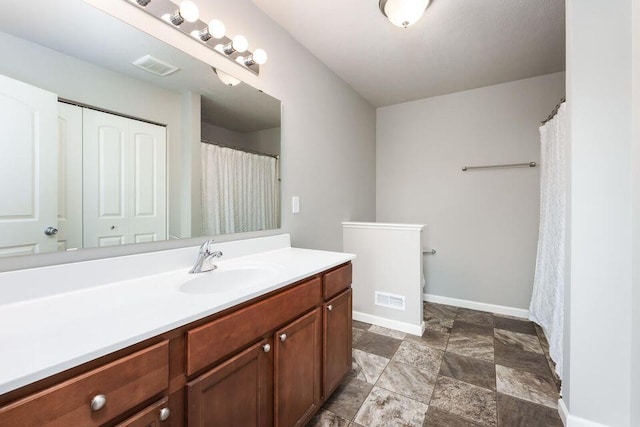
{"x":164,"y":414}
{"x":98,"y":402}
{"x":330,"y":307}
{"x":266,"y":348}
{"x":50,"y":231}
{"x":283,"y":337}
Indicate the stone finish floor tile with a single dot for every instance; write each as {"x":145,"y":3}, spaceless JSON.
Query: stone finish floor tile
{"x":409,"y":381}
{"x":325,"y":418}
{"x":514,"y":325}
{"x":367,"y":367}
{"x":377,"y":344}
{"x":460,"y":327}
{"x":475,"y":316}
{"x":440,"y":310}
{"x":387,"y":332}
{"x":516,"y":412}
{"x":356,"y":334}
{"x":522,"y":341}
{"x":527,"y":386}
{"x":431,"y":338}
{"x":385,"y":408}
{"x":439,"y":418}
{"x":471,"y":345}
{"x":347,"y":399}
{"x":465,"y":400}
{"x":513,"y":357}
{"x":360,"y":325}
{"x":470,"y":370}
{"x":421,"y":356}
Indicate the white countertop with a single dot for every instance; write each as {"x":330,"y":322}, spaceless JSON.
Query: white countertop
{"x":42,"y":336}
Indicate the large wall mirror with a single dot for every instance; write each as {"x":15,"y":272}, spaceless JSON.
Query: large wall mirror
{"x":113,"y":137}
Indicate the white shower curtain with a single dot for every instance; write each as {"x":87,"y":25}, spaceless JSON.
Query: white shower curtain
{"x":240,"y":191}
{"x":547,"y":300}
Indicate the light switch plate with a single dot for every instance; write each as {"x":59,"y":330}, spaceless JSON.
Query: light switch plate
{"x":295,"y":204}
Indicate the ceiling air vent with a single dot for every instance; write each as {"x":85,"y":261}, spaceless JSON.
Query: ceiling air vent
{"x":155,"y":66}
{"x":390,"y":300}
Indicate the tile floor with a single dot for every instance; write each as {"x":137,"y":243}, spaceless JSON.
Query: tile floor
{"x":469,"y":369}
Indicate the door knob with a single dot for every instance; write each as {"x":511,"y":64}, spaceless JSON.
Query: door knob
{"x":50,"y":231}
{"x":164,"y":414}
{"x":330,"y":307}
{"x":98,"y":402}
{"x":266,"y":348}
{"x":283,"y":337}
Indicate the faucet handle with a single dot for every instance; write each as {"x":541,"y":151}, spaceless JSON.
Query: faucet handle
{"x":204,"y":248}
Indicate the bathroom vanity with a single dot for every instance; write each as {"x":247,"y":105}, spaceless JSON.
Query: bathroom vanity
{"x":166,"y":350}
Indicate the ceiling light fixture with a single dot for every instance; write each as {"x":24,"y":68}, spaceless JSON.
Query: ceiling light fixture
{"x":403,"y":13}
{"x":225,"y":78}
{"x":188,"y":11}
{"x":185,"y":20}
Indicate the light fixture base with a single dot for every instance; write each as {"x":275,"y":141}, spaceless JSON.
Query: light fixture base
{"x":403,"y":13}
{"x":160,"y":8}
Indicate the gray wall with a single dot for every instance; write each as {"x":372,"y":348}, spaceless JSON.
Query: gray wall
{"x":484,"y":224}
{"x":604,"y":163}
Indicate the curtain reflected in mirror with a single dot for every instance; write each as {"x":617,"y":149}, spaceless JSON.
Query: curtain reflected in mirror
{"x":240,"y":190}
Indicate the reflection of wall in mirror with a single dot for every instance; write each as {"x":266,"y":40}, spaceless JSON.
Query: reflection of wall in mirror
{"x":265,"y":141}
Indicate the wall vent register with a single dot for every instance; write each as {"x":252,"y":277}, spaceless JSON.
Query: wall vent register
{"x":385,"y":299}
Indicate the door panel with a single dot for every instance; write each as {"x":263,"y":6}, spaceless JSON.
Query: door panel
{"x":28,"y":163}
{"x":69,"y":176}
{"x":297,"y":370}
{"x":337,"y":341}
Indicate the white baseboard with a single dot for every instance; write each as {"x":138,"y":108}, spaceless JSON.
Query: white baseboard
{"x":481,"y":306}
{"x":562,"y":410}
{"x":389,"y":323}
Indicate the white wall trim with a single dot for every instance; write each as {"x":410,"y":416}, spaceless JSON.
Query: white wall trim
{"x":563,"y":411}
{"x":571,"y":420}
{"x":388,"y":323}
{"x":383,"y":225}
{"x":481,"y":306}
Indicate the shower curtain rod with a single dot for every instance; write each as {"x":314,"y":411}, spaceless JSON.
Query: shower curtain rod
{"x":554,"y":112}
{"x":246,"y":150}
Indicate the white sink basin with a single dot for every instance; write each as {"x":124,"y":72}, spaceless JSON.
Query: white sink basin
{"x":229,"y":279}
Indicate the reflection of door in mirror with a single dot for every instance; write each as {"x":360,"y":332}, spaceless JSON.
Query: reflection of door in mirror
{"x":28,"y":153}
{"x":103,"y":175}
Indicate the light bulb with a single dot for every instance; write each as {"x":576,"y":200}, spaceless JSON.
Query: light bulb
{"x":189,"y":11}
{"x":216,"y":29}
{"x":259,"y":56}
{"x":403,"y":13}
{"x":240,"y":43}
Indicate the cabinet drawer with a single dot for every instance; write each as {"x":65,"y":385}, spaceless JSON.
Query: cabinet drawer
{"x":156,"y":415}
{"x":336,"y":281}
{"x":209,"y":343}
{"x":124,"y":383}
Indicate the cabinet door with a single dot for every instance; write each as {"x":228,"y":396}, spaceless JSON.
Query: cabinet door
{"x":238,"y":392}
{"x":336,"y":341}
{"x":298,"y":352}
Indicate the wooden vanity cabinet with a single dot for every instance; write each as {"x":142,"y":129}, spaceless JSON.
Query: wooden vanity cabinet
{"x":269,"y":362}
{"x":297,"y":372}
{"x":336,"y":345}
{"x":237,"y":392}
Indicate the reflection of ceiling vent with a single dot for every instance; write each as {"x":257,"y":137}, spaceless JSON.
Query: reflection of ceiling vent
{"x":155,"y":66}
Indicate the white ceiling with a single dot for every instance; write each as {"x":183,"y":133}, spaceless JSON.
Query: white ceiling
{"x":457,"y":45}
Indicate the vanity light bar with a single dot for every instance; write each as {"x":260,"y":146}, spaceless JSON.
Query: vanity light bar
{"x":184,"y":18}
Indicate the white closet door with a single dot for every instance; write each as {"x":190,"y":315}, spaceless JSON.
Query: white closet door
{"x":124,"y":171}
{"x":148,"y":194}
{"x":69,"y":176}
{"x":28,"y":163}
{"x":105,"y":175}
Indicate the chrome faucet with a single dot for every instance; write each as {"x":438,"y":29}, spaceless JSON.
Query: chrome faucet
{"x":205,"y":256}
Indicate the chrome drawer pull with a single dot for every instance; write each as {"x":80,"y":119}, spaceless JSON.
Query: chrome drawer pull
{"x":98,"y":402}
{"x":283,"y":337}
{"x":266,"y":348}
{"x":164,"y":414}
{"x":330,"y":307}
